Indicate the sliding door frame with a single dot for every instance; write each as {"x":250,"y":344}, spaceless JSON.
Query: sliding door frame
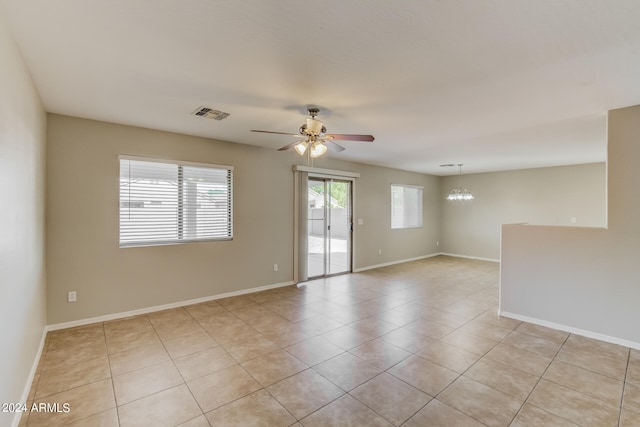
{"x":329,"y":228}
{"x":301,"y":175}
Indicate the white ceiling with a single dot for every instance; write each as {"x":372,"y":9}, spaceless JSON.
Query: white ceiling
{"x":493,"y":84}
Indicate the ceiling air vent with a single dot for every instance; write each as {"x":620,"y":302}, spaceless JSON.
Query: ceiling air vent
{"x":210,"y":113}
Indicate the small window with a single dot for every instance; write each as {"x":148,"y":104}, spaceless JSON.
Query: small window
{"x":406,"y":206}
{"x":166,"y":202}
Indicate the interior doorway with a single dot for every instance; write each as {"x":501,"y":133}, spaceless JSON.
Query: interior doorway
{"x":329,"y":227}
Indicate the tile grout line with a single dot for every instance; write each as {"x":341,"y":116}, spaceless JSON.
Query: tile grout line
{"x":358,"y":289}
{"x":623,"y":381}
{"x":148,"y":366}
{"x":538,"y":382}
{"x":248,"y":373}
{"x":399,"y":379}
{"x":624,"y":387}
{"x":482,"y":357}
{"x":101,"y":325}
{"x":184,"y":381}
{"x":39,"y":370}
{"x":419,"y":350}
{"x":113,"y":386}
{"x":462,"y":374}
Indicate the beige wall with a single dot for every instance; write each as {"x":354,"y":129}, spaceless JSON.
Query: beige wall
{"x":373,"y":205}
{"x":22,"y":268}
{"x":82,"y":221}
{"x":578,"y":278}
{"x":543,"y":196}
{"x":82,"y":225}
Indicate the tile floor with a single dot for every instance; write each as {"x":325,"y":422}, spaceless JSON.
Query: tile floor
{"x":415,"y":344}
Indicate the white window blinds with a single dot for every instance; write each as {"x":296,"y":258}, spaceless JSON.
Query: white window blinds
{"x":406,"y":206}
{"x":166,"y":202}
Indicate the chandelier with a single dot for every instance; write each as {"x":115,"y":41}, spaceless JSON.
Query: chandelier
{"x":459,"y":193}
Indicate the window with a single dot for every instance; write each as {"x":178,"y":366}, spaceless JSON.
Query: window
{"x":406,"y":206}
{"x":165,"y":202}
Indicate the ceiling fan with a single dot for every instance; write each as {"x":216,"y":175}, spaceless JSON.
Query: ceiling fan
{"x":315,"y":137}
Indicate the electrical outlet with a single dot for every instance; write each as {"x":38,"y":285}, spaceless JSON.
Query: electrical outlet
{"x":360,"y":221}
{"x":437,"y":242}
{"x":275,"y":267}
{"x":379,"y":251}
{"x":72,"y":296}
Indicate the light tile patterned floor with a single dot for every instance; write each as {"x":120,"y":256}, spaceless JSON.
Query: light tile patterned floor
{"x":414,"y":344}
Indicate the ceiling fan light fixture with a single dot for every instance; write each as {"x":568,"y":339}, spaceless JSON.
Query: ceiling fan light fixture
{"x":314,"y":127}
{"x":301,"y":147}
{"x":315,"y":137}
{"x":317,"y":149}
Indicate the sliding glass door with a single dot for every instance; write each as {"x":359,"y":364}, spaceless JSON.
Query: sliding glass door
{"x":329,"y":227}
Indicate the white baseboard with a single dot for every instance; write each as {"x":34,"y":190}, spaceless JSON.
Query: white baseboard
{"x":386,"y":264}
{"x":146,"y":310}
{"x":32,"y":374}
{"x":469,"y":257}
{"x":114,"y":316}
{"x":121,"y":315}
{"x":572,"y":330}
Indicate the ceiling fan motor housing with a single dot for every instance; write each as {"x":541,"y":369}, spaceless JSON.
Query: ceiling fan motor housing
{"x":314,"y":127}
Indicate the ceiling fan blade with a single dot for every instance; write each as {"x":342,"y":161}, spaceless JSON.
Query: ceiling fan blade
{"x":279,"y":133}
{"x":289,"y":146}
{"x":348,"y":137}
{"x":332,"y":145}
